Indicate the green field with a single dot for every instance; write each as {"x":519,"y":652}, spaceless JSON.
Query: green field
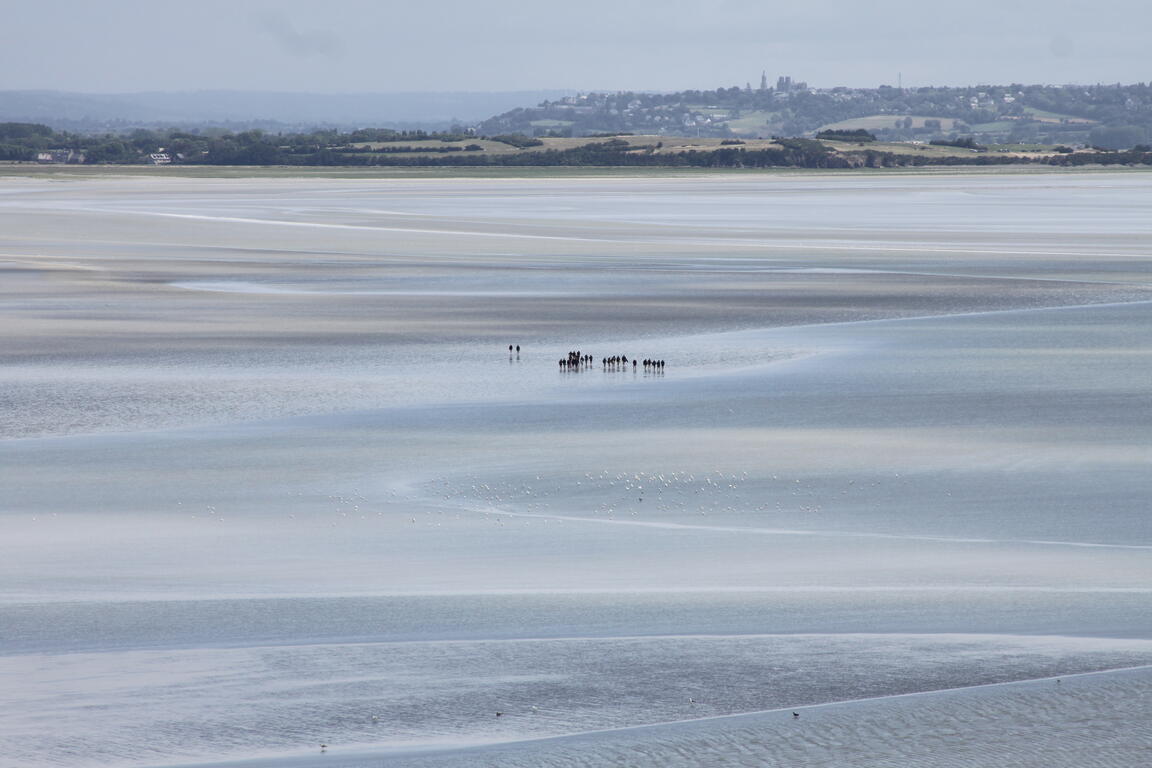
{"x":750,"y":123}
{"x":1000,"y":126}
{"x":877,"y":122}
{"x":488,"y":146}
{"x":753,"y":123}
{"x":1056,"y":117}
{"x":900,"y":148}
{"x":1028,"y":148}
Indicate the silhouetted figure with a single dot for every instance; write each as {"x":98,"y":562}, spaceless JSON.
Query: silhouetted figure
{"x":517,"y":349}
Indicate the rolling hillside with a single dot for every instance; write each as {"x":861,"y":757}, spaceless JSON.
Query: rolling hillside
{"x":1113,"y":116}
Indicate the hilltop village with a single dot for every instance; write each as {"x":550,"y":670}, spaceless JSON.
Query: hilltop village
{"x":1111,"y":116}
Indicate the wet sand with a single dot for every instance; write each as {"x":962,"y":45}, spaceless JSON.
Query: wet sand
{"x":1093,"y":719}
{"x":270,"y":471}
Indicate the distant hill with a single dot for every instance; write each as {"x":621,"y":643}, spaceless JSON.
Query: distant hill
{"x":1114,"y":116}
{"x":86,"y":112}
{"x":1111,"y":116}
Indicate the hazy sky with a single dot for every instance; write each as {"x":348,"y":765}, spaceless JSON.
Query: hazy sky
{"x":450,"y":45}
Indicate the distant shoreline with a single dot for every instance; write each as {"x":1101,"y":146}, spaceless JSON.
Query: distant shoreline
{"x":33,"y":170}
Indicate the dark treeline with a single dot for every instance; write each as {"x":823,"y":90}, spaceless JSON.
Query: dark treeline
{"x":859,"y":135}
{"x":965,"y":142}
{"x":28,"y":142}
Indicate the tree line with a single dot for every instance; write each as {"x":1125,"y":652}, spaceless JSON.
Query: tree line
{"x":23,"y":141}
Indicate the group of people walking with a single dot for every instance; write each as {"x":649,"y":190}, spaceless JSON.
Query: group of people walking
{"x":577,"y":360}
{"x":618,"y":362}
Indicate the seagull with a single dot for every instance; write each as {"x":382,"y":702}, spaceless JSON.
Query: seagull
{"x":795,"y":715}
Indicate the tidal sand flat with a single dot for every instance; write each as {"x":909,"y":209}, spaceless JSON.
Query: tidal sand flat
{"x":273,"y":479}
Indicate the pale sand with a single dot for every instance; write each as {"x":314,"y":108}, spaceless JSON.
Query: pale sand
{"x":927,"y":396}
{"x":1100,"y":719}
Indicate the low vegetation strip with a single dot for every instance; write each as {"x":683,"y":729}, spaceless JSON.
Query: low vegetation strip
{"x":31,"y":143}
